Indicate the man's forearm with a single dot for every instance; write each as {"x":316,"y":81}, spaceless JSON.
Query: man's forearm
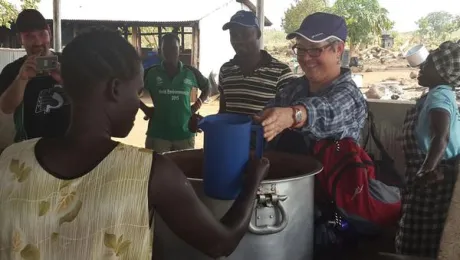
{"x":13,"y":96}
{"x":201,"y":99}
{"x":204,"y":95}
{"x":144,"y":107}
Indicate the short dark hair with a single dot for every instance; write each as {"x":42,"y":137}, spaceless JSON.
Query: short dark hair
{"x":170,"y":36}
{"x":94,"y":56}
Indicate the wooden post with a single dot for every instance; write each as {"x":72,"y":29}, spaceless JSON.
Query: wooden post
{"x":195,"y":45}
{"x":136,"y":39}
{"x":160,"y":34}
{"x":125,"y":31}
{"x":182,"y":36}
{"x":139,"y":41}
{"x":134,"y":36}
{"x":195,"y":55}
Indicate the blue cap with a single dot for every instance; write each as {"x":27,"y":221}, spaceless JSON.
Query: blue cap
{"x":319,"y":27}
{"x":244,"y":18}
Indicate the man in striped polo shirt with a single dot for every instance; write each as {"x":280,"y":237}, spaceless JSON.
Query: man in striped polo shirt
{"x":253,"y":77}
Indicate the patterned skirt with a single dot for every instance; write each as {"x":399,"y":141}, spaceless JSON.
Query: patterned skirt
{"x":424,"y":212}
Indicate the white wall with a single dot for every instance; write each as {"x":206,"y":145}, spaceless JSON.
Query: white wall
{"x":215,"y":47}
{"x":9,"y":55}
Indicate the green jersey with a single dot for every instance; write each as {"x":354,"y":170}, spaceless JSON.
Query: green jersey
{"x":171,"y":99}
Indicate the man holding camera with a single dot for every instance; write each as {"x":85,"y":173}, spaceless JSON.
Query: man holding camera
{"x":30,"y":87}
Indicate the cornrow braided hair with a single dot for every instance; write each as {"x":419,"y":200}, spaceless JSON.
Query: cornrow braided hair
{"x":95,"y":56}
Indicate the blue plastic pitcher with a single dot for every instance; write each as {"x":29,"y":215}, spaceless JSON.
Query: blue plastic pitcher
{"x":226,"y":153}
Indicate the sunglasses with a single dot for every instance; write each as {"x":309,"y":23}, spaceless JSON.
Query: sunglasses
{"x":312,"y":52}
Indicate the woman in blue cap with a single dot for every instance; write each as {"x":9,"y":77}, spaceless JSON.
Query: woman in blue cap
{"x":325,"y":103}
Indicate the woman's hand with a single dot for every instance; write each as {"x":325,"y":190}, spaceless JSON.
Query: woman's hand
{"x":256,"y":171}
{"x":425,"y":177}
{"x":275,"y":120}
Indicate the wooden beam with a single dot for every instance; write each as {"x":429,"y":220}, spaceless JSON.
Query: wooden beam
{"x":160,"y":34}
{"x":182,"y":40}
{"x":155,"y":33}
{"x":125,"y":31}
{"x":195,"y":56}
{"x":139,"y":40}
{"x":135,"y":38}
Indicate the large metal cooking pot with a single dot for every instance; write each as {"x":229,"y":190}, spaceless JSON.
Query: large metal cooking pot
{"x":281,"y":227}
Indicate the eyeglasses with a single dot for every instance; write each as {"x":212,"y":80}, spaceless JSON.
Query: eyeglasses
{"x":312,"y":52}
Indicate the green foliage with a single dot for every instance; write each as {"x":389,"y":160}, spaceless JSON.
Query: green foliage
{"x":298,"y":11}
{"x":365,"y":19}
{"x":437,"y":27}
{"x":29,"y":4}
{"x":8,"y":11}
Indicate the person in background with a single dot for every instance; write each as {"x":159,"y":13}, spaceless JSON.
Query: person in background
{"x":92,"y":194}
{"x":170,"y":84}
{"x":431,"y":144}
{"x":39,"y":104}
{"x":253,"y":77}
{"x":323,"y":104}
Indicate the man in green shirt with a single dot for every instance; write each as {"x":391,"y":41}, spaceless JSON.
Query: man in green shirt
{"x":170,"y":84}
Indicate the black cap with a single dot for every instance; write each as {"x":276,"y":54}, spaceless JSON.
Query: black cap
{"x":30,"y":20}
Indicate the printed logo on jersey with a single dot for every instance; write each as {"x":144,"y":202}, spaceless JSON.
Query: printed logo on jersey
{"x":159,"y":81}
{"x":188,"y":82}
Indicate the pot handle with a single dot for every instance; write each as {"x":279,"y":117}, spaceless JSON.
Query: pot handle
{"x":268,"y":230}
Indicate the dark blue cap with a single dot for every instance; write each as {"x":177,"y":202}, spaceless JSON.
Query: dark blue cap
{"x":319,"y":27}
{"x":244,"y":18}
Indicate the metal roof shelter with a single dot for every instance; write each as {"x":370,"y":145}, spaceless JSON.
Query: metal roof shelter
{"x":203,"y":19}
{"x":135,"y":12}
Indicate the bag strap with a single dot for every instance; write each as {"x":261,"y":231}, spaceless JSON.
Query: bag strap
{"x":339,"y":166}
{"x":372,"y":132}
{"x":369,"y":129}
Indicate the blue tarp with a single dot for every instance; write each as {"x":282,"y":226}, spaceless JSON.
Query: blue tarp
{"x":152,"y":58}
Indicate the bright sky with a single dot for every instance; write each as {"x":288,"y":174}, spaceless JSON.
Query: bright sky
{"x":403,"y":12}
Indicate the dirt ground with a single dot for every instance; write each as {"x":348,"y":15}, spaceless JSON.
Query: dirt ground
{"x":137,"y":135}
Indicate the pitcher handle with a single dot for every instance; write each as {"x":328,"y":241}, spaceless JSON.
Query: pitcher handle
{"x":260,"y":141}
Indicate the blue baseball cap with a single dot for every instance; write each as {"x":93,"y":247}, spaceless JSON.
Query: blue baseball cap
{"x":244,"y":18}
{"x":319,"y":27}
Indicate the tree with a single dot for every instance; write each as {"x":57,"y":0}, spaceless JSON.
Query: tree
{"x":9,"y":12}
{"x":29,"y":4}
{"x":365,"y":19}
{"x":437,"y":27}
{"x":295,"y":14}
